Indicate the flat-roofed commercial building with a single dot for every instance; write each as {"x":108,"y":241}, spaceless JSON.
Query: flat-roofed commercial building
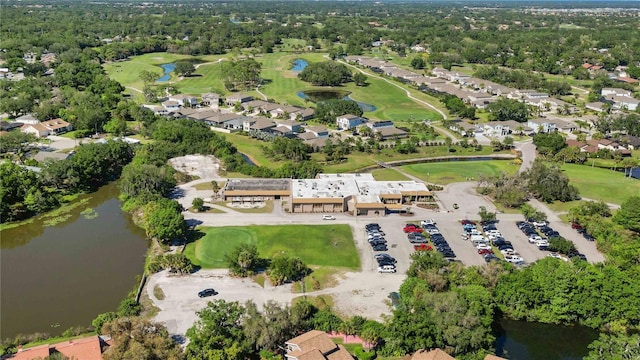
{"x":359,"y":194}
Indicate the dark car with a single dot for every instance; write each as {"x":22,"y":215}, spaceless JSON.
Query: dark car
{"x":385,"y":257}
{"x":378,"y":242}
{"x":448,"y":254}
{"x":207,"y":292}
{"x":588,"y":237}
{"x":490,"y":258}
{"x":382,"y":262}
{"x":380,"y":247}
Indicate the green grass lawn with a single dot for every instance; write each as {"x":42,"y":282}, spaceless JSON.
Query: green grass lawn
{"x":388,"y":175}
{"x":457,"y":171}
{"x":601,"y":184}
{"x":315,"y":245}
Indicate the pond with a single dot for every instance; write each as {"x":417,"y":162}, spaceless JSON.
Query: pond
{"x":56,"y":277}
{"x":168,"y":68}
{"x":324,"y":95}
{"x":299,"y":64}
{"x":521,"y":340}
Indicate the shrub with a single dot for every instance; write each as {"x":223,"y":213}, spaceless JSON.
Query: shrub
{"x":102,"y":319}
{"x":129,"y":307}
{"x":361,"y":354}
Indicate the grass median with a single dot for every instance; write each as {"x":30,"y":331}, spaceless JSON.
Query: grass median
{"x":457,"y":171}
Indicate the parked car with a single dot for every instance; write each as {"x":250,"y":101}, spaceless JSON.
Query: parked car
{"x":384,"y":256}
{"x":485,"y":251}
{"x":412,"y":228}
{"x":576,"y":226}
{"x":207,"y":293}
{"x":539,"y":223}
{"x":427,"y":222}
{"x":387,"y":269}
{"x":383,"y":262}
{"x":328,"y":217}
{"x":534,"y":238}
{"x":380,"y":247}
{"x":558,"y":256}
{"x":483,"y":246}
{"x":514,"y":259}
{"x":490,"y":257}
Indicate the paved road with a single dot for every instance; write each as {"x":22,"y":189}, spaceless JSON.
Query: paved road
{"x":528,"y":150}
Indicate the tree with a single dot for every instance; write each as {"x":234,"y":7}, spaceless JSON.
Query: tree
{"x":486,"y":216}
{"x":326,"y":73}
{"x":148,"y":77}
{"x":198,"y":204}
{"x":550,"y":184}
{"x":215,"y":187}
{"x":102,"y":319}
{"x":137,"y":338}
{"x":218,"y":333}
{"x":360,"y":79}
{"x":163,"y":220}
{"x":184,"y":68}
{"x":242,"y":260}
{"x":327,"y":111}
{"x":508,"y":109}
{"x":116,"y":126}
{"x":531,"y":214}
{"x":615,"y":347}
{"x":417,"y":62}
{"x":629,"y":214}
{"x":549,"y":143}
{"x":283,"y":269}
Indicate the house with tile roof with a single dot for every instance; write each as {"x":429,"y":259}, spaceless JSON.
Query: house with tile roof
{"x":315,"y":345}
{"x":435,"y":354}
{"x":89,"y":348}
{"x":46,"y":128}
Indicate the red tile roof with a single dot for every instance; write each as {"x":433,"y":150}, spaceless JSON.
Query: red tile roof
{"x":89,"y":348}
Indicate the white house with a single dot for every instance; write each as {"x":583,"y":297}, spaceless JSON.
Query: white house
{"x":616,"y":92}
{"x":27,"y":119}
{"x":374,"y":125}
{"x":541,"y":125}
{"x":349,"y":121}
{"x":496,"y":128}
{"x":184,"y":100}
{"x":46,"y":128}
{"x":211,"y":99}
{"x":171,"y":105}
{"x":624,"y":102}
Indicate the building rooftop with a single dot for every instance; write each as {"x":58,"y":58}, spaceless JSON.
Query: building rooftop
{"x":258,"y":184}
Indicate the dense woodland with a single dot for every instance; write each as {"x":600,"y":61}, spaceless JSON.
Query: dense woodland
{"x":441,"y":304}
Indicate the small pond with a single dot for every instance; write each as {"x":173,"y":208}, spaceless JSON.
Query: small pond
{"x":522,"y":340}
{"x":324,"y":95}
{"x":299,"y":64}
{"x":168,"y":68}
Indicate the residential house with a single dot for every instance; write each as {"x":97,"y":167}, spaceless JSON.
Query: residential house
{"x":46,"y":128}
{"x":238,"y":98}
{"x":184,"y":100}
{"x":390,"y":132}
{"x":158,"y":110}
{"x":375,"y":125}
{"x":628,"y":80}
{"x":89,"y":348}
{"x":435,"y":354}
{"x":349,"y":121}
{"x":302,"y":115}
{"x":542,"y":125}
{"x":292,"y":125}
{"x":284,"y":111}
{"x":632,"y":142}
{"x":496,"y":128}
{"x":9,"y":125}
{"x":624,"y":102}
{"x":318,"y":131}
{"x":27,"y":119}
{"x":211,"y":99}
{"x":315,"y":345}
{"x":259,"y":123}
{"x":616,"y":91}
{"x":171,"y":105}
{"x":183,"y":112}
{"x":597,"y":106}
{"x":253,"y":105}
{"x":464,"y":128}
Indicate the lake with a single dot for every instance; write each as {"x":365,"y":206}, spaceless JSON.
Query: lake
{"x":324,"y":95}
{"x":168,"y":68}
{"x":56,"y":277}
{"x":299,"y":65}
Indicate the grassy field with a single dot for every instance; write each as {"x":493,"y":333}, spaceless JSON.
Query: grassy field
{"x":456,"y":171}
{"x":315,"y":245}
{"x":601,"y":184}
{"x":388,"y":175}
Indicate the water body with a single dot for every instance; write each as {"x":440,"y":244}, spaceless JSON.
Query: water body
{"x":247,"y":159}
{"x":324,"y":95}
{"x":56,"y":277}
{"x":168,"y":68}
{"x":299,"y":64}
{"x":521,"y":340}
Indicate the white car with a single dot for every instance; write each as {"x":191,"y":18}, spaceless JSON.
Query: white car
{"x":539,"y":223}
{"x":508,"y":251}
{"x":558,"y":256}
{"x":433,"y":231}
{"x":482,"y":246}
{"x":387,"y":269}
{"x":427,"y":222}
{"x":328,"y":217}
{"x":534,"y":238}
{"x":514,"y":259}
{"x":542,"y":243}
